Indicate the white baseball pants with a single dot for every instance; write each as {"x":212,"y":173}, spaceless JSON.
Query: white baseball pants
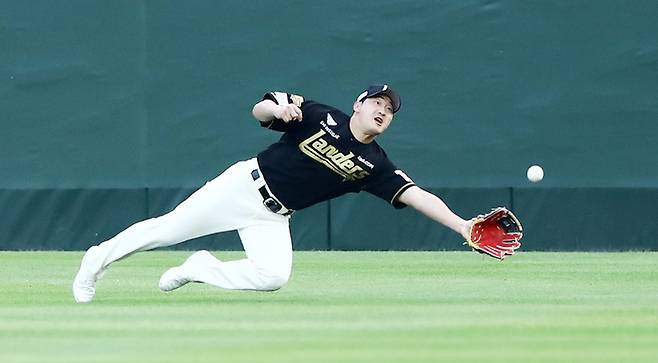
{"x":229,"y":202}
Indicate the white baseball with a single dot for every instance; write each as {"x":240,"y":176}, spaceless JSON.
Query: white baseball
{"x":535,"y":173}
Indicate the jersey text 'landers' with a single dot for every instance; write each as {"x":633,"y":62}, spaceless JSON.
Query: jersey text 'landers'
{"x":320,"y":150}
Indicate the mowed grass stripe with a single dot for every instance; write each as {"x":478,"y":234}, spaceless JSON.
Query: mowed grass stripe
{"x":340,"y":306}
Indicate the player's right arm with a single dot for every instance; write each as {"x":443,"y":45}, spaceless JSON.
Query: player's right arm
{"x":267,"y":110}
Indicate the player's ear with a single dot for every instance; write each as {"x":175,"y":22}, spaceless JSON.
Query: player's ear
{"x":357,"y":106}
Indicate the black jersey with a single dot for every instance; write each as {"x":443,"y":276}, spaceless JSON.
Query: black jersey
{"x":319,"y":158}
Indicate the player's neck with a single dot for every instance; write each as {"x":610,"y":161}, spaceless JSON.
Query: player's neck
{"x":359,"y":134}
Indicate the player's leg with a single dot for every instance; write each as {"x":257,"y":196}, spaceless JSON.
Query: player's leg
{"x":267,"y":267}
{"x":225,"y":203}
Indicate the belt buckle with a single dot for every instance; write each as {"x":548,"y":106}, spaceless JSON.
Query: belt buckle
{"x":272,"y":205}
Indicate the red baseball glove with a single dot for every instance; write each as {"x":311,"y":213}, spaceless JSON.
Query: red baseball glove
{"x":496,"y":233}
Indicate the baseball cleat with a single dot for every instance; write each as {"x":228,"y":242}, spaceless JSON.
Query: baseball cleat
{"x":178,"y":276}
{"x":84,"y":284}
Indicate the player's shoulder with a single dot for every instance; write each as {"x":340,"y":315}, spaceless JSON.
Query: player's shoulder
{"x":386,"y":165}
{"x":322,"y":108}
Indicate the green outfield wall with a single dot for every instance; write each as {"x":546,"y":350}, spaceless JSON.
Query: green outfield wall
{"x":112,"y":112}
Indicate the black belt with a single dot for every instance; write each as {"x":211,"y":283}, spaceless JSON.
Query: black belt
{"x":268,"y":200}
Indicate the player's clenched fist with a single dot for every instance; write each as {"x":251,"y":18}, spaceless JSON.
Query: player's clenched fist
{"x":288,"y":113}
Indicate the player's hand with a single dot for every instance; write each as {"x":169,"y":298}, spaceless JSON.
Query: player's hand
{"x":496,"y":234}
{"x":288,"y":113}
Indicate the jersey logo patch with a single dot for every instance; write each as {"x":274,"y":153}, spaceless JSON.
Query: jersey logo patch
{"x":330,"y":120}
{"x":328,"y":155}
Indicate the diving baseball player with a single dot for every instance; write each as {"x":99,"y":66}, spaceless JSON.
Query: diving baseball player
{"x":323,"y":153}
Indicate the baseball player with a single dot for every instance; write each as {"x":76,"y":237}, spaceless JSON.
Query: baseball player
{"x":323,"y":153}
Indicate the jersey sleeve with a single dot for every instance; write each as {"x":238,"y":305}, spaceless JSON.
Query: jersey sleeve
{"x":282,"y":98}
{"x":389,"y":184}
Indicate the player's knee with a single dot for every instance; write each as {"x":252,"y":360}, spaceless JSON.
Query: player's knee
{"x":273,"y":279}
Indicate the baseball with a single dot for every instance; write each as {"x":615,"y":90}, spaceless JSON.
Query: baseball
{"x":535,"y":173}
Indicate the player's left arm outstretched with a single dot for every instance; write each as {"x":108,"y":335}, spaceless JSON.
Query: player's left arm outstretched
{"x":434,"y":208}
{"x":496,"y":234}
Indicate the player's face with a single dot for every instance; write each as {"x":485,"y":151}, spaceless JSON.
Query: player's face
{"x":375,"y":115}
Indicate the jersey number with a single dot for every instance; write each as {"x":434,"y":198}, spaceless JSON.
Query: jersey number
{"x":404,"y":176}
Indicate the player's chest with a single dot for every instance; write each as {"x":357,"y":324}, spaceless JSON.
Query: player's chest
{"x":335,"y":149}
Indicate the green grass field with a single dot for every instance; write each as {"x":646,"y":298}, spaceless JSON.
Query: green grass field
{"x":340,"y":307}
